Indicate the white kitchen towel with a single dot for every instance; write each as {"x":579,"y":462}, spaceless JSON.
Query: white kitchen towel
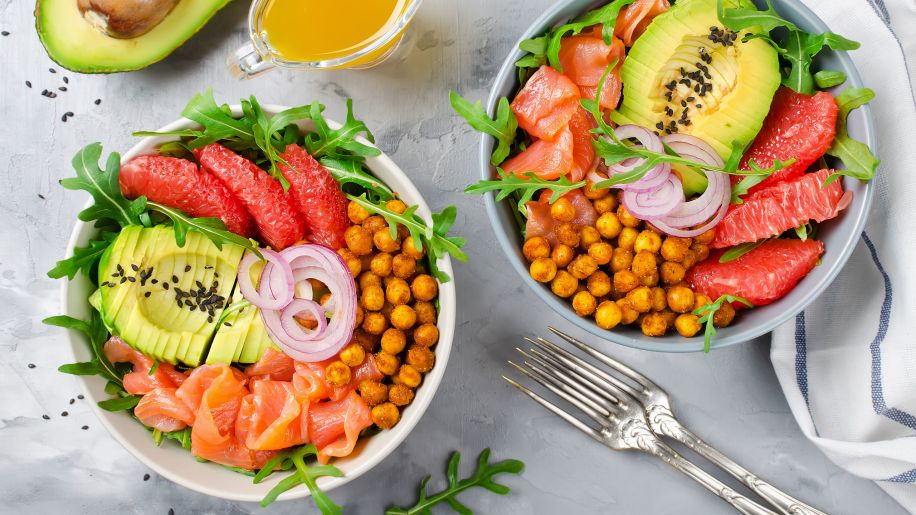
{"x":847,"y":364}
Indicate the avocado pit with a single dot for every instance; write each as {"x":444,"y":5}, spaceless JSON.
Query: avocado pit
{"x":125,"y":19}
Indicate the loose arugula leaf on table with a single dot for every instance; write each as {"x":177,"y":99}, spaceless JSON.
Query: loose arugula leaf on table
{"x":502,"y":128}
{"x":83,"y":258}
{"x":97,"y":335}
{"x":213,"y":228}
{"x":303,"y":474}
{"x":829,"y":78}
{"x":708,"y":312}
{"x":434,"y":239}
{"x":324,"y":141}
{"x":527,"y":185}
{"x":483,"y":478}
{"x":109,"y":203}
{"x":351,"y":171}
{"x":858,"y":158}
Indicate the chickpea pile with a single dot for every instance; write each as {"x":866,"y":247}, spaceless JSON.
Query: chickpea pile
{"x":622,"y":270}
{"x":396,"y":316}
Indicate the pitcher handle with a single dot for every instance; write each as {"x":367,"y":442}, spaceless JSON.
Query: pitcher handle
{"x":247,"y":62}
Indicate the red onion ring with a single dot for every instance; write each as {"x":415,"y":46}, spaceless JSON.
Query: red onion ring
{"x":654,"y":204}
{"x":692,"y":147}
{"x":295,"y":309}
{"x":279,"y":281}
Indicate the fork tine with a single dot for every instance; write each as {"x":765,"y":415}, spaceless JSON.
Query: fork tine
{"x":604,"y":358}
{"x":598,"y":415}
{"x":586,"y":369}
{"x":581,"y":426}
{"x":602,"y":396}
{"x":593,"y":400}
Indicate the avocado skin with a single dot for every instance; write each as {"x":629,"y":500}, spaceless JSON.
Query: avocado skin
{"x":73,"y":43}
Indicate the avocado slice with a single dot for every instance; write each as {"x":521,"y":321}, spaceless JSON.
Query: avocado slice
{"x":142,"y":277}
{"x":241,"y":338}
{"x":78,"y":44}
{"x":687,"y":66}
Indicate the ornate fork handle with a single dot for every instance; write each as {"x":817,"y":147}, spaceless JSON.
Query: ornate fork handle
{"x":640,"y":437}
{"x":662,"y":418}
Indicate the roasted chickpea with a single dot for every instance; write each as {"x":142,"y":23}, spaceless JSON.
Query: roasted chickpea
{"x":367,"y":341}
{"x":358,"y":240}
{"x":701,"y":250}
{"x":669,"y":316}
{"x":356,"y":213}
{"x":396,"y":205}
{"x":403,"y":317}
{"x":690,"y":259}
{"x":700,"y":300}
{"x":400,"y":395}
{"x":384,"y":242}
{"x":687,"y":325}
{"x":622,"y":259}
{"x":588,"y":236}
{"x":680,"y":299}
{"x":381,"y":264}
{"x":397,"y":292}
{"x":421,"y":358}
{"x":562,"y":210}
{"x":625,"y":281}
{"x":387,"y":363}
{"x":426,"y":335}
{"x":602,"y":252}
{"x":599,"y":284}
{"x":360,"y":313}
{"x":536,"y":247}
{"x":426,"y":312}
{"x":393,"y":341}
{"x":373,"y":392}
{"x":584,"y":303}
{"x":647,"y":241}
{"x":582,"y":267}
{"x":659,"y":299}
{"x":375,"y":323}
{"x":424,"y":287}
{"x":627,"y":238}
{"x":387,"y":309}
{"x":724,"y":316}
{"x":367,"y":279}
{"x":675,"y":249}
{"x":640,"y":299}
{"x":609,"y":225}
{"x":627,"y":219}
{"x":605,"y":205}
{"x":410,"y":249}
{"x":337,"y":373}
{"x":608,"y":315}
{"x":408,"y":376}
{"x":564,"y":284}
{"x":385,"y":415}
{"x":628,"y":314}
{"x":653,"y":324}
{"x":374,"y":223}
{"x":562,"y":255}
{"x":352,"y":260}
{"x":706,"y":238}
{"x":373,"y":298}
{"x":644,"y":264}
{"x":353,"y":355}
{"x":672,"y":273}
{"x":593,"y":193}
{"x":649,"y":280}
{"x":567,"y":234}
{"x":543,"y":270}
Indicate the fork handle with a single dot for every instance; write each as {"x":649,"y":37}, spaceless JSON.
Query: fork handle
{"x":785,"y":503}
{"x":657,"y":448}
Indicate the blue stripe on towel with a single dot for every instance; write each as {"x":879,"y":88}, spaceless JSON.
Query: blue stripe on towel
{"x":801,"y":356}
{"x":877,"y":387}
{"x":906,"y":477}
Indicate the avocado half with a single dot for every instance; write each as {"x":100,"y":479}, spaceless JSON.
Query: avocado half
{"x":77,"y":45}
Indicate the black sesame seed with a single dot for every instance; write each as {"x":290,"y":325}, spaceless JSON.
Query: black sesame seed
{"x":63,"y":413}
{"x":84,"y":428}
{"x":691,"y":99}
{"x":199,"y":284}
{"x":66,"y":80}
{"x":62,"y":88}
{"x":132,"y":279}
{"x":227,"y":324}
{"x":80,"y":397}
{"x":147,"y":294}
{"x":52,"y":70}
{"x":699,"y":106}
{"x":5,"y":33}
{"x":46,"y":417}
{"x":171,"y":511}
{"x":72,"y":401}
{"x":146,"y":477}
{"x":134,"y":267}
{"x":187,"y":268}
{"x":210,"y":319}
{"x":660,"y":125}
{"x":165,"y":286}
{"x":179,"y":303}
{"x":123,"y":280}
{"x":42,"y":197}
{"x":63,"y":118}
{"x":31,"y":365}
{"x":28,"y":84}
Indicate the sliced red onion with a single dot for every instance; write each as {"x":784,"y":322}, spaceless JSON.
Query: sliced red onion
{"x":703,"y":207}
{"x":693,"y":148}
{"x":276,"y":288}
{"x":644,"y":136}
{"x":296,"y":309}
{"x":654,"y":179}
{"x":650,"y":205}
{"x":690,"y":233}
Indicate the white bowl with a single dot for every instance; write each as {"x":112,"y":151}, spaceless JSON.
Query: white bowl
{"x":177,"y":464}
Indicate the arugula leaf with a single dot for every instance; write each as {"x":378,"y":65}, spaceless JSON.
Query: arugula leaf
{"x":829,"y":78}
{"x":537,"y":50}
{"x":97,"y":335}
{"x":708,"y":312}
{"x":740,"y":250}
{"x":182,"y":436}
{"x":502,"y":128}
{"x":858,"y":158}
{"x":338,"y":142}
{"x":120,"y":403}
{"x":527,"y":185}
{"x":83,"y":258}
{"x":217,"y":122}
{"x":351,"y":171}
{"x":109,"y":203}
{"x":605,"y":15}
{"x":213,"y":228}
{"x":303,"y":474}
{"x":802,"y":232}
{"x":739,"y":18}
{"x":749,"y":181}
{"x":483,"y":478}
{"x":434,"y":239}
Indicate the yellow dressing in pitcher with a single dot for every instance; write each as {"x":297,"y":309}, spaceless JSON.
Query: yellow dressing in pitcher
{"x":319,"y":30}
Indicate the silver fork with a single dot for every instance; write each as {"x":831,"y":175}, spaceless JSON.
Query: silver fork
{"x":620,"y":418}
{"x":657,"y":405}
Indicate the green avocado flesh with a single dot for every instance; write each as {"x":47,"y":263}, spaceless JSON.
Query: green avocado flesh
{"x":136,"y":305}
{"x":77,"y":45}
{"x":676,"y":56}
{"x":241,"y":338}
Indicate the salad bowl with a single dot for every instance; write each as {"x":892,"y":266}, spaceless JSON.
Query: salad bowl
{"x":178,"y":465}
{"x":839,"y":235}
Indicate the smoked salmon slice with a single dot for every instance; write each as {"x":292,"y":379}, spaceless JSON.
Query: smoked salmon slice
{"x":334,"y":426}
{"x":140,"y":381}
{"x":546,"y":159}
{"x":277,"y":416}
{"x":272,"y":365}
{"x":585,"y":58}
{"x":546,"y":103}
{"x":633,"y":19}
{"x":580,"y":125}
{"x":161,"y":409}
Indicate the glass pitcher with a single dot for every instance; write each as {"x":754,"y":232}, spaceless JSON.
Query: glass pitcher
{"x":259,"y":55}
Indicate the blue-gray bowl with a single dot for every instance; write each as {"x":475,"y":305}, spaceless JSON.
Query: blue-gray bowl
{"x":839,"y":235}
